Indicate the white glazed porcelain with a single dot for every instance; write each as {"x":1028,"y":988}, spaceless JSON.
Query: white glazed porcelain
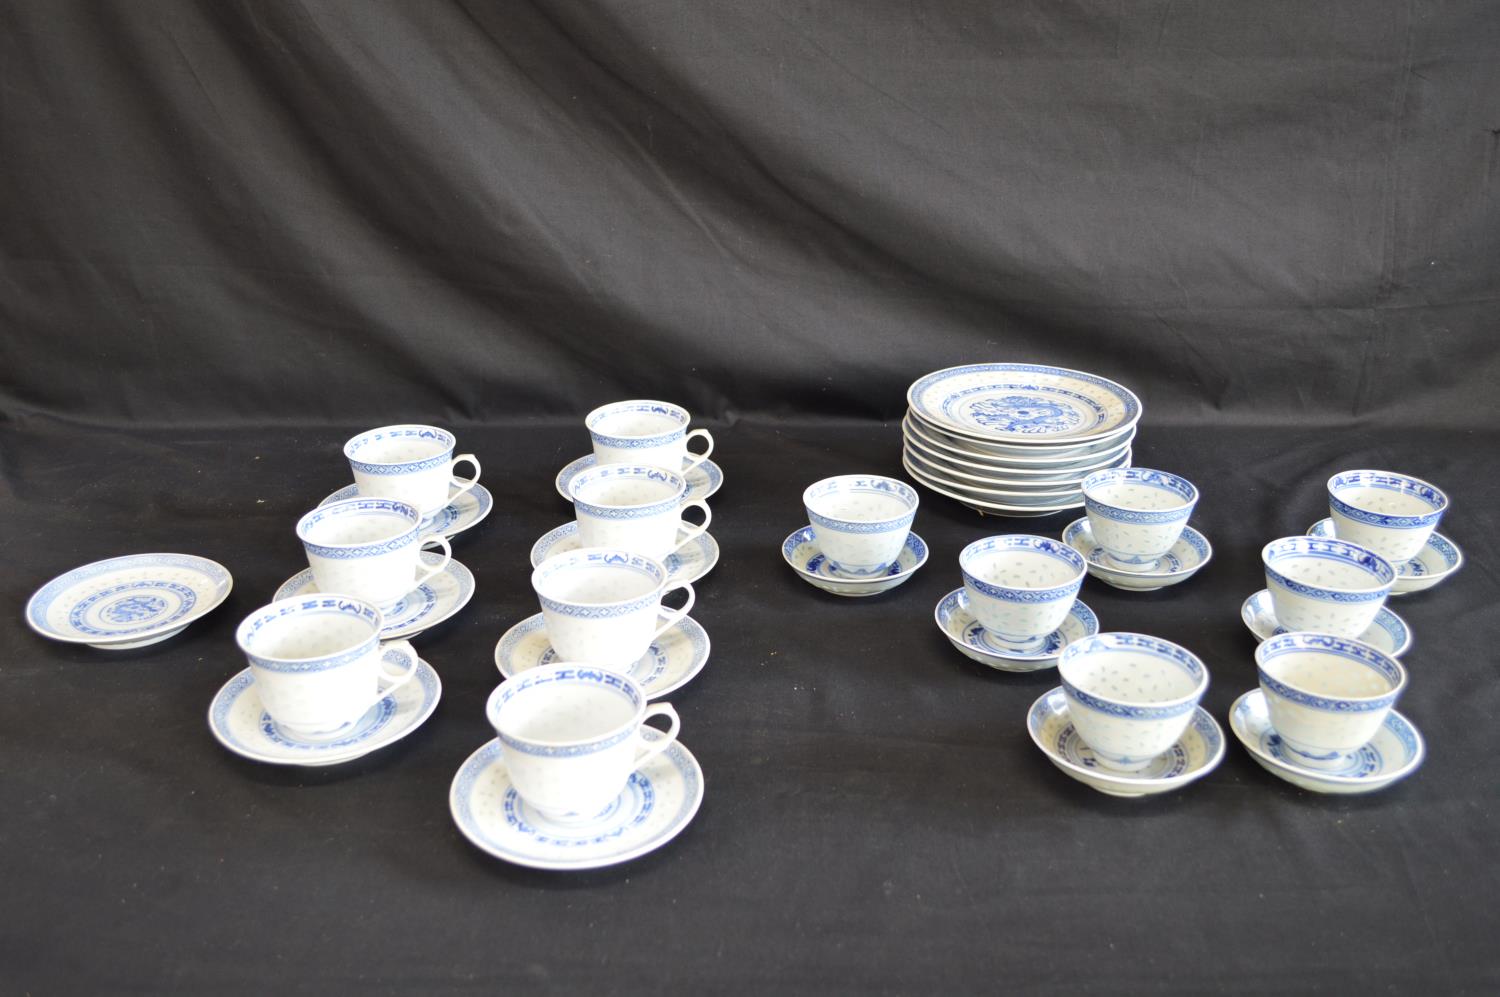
{"x":688,"y":564}
{"x":802,"y":553}
{"x":602,"y":604}
{"x":1326,"y":695}
{"x":411,"y":463}
{"x":985,"y":506}
{"x":636,"y":507}
{"x":1395,"y":752}
{"x":240,"y":723}
{"x":367,"y":548}
{"x":1026,"y":457}
{"x":1389,"y":632}
{"x":1195,"y":754}
{"x":1327,"y":586}
{"x":467,"y":507}
{"x":973,"y":641}
{"x":318,"y":662}
{"x":1046,"y":493}
{"x":644,"y":431}
{"x":1015,"y":402}
{"x":1190,"y":553}
{"x":1130,"y":695}
{"x":1437,"y":559}
{"x":703,"y":478}
{"x":1021,"y":587}
{"x":1389,"y":513}
{"x":861,"y":521}
{"x":430,"y":603}
{"x":672,"y":660}
{"x":128,"y":602}
{"x":658,"y":801}
{"x":1137,"y":514}
{"x":571,"y":736}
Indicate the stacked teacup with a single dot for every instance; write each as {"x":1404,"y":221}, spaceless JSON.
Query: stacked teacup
{"x":859,"y":540}
{"x":584,"y":776}
{"x":1135,"y":535}
{"x":324,"y":664}
{"x":1322,"y":717}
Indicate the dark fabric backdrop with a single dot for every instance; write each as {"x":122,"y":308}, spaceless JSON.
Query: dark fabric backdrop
{"x":231,"y":233}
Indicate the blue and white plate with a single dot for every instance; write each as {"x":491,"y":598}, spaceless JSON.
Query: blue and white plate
{"x":702,"y":481}
{"x":425,"y":606}
{"x":129,"y":601}
{"x":656,"y":804}
{"x":672,"y":660}
{"x":1395,"y":752}
{"x":686,"y":565}
{"x":1197,"y":753}
{"x":983,"y":506}
{"x":800,"y":550}
{"x":1389,"y":632}
{"x":1023,"y":403}
{"x":1191,"y":552}
{"x":1433,"y":563}
{"x":243,"y":726}
{"x":967,"y":634}
{"x":462,"y":512}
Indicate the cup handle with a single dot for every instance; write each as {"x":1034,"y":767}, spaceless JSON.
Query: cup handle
{"x":700,"y":457}
{"x":674,"y":616}
{"x":405,"y":650}
{"x":694,"y":532}
{"x":463,"y":486}
{"x":646,"y":750}
{"x":442,"y":565}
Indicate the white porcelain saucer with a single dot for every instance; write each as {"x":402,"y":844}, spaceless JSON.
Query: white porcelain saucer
{"x":1191,"y":552}
{"x":702,"y":481}
{"x":243,"y":726}
{"x":1395,"y":752}
{"x":127,"y":602}
{"x":1433,"y":563}
{"x":656,"y":804}
{"x":425,"y":606}
{"x":672,"y":660}
{"x":970,"y":637}
{"x":458,"y":515}
{"x":686,"y":565}
{"x":1389,"y":632}
{"x":1197,"y":753}
{"x":800,"y":550}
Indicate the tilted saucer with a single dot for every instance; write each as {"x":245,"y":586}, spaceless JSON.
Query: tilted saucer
{"x":1197,"y":752}
{"x":1191,"y":552}
{"x":243,"y":726}
{"x":1433,"y":563}
{"x":672,"y":660}
{"x":971,"y":638}
{"x":423,"y":607}
{"x":702,"y":481}
{"x":1395,"y":752}
{"x":1389,"y":632}
{"x":686,"y":565}
{"x":656,"y":804}
{"x":458,"y":515}
{"x":800,"y":550}
{"x":127,"y":602}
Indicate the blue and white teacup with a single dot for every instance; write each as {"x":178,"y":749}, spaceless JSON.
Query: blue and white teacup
{"x":1021,"y":587}
{"x":318,"y":663}
{"x":570,"y":736}
{"x":634,"y":506}
{"x":1327,"y":586}
{"x":1130,"y":696}
{"x":644,"y":431}
{"x":861,"y":521}
{"x":602,"y":605}
{"x":1136,"y":514}
{"x":412,"y":463}
{"x":367,"y":548}
{"x":1326,"y":696}
{"x":1391,"y":514}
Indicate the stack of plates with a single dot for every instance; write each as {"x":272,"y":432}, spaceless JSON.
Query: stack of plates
{"x":1015,"y":439}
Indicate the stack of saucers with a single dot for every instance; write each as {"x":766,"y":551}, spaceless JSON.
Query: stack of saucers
{"x":1016,"y":439}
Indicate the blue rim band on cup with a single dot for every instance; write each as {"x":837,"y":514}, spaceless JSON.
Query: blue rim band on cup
{"x":1025,"y":542}
{"x":256,"y":626}
{"x":636,"y":441}
{"x":1164,"y":481}
{"x":606,"y":472}
{"x":565,"y":673}
{"x":599,"y":557}
{"x":874,"y":484}
{"x":1134,"y":643}
{"x":1375,"y":660}
{"x":1382,"y":575}
{"x":1402,"y":484}
{"x":364,"y":441}
{"x":407,"y":535}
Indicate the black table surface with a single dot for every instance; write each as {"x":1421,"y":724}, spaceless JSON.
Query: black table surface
{"x":876,"y":818}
